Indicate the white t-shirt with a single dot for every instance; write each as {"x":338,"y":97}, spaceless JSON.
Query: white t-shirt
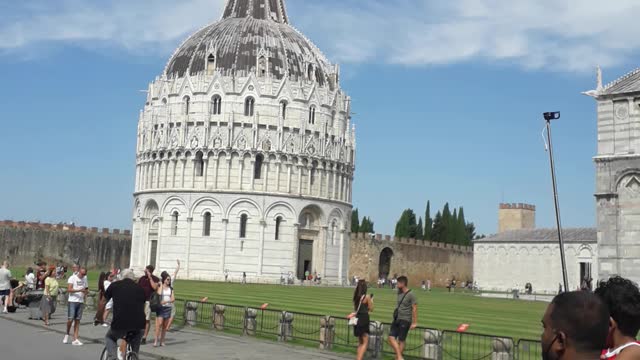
{"x":106,"y":284}
{"x":78,"y":284}
{"x":31,"y":280}
{"x":5,"y":279}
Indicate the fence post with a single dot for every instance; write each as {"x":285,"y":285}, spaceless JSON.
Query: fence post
{"x":218,"y":317}
{"x":502,"y":349}
{"x":250,"y":322}
{"x":191,"y":313}
{"x":432,"y":348}
{"x":376,"y":341}
{"x":327,"y":332}
{"x":286,"y":327}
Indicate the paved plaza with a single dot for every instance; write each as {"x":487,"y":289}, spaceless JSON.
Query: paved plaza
{"x":24,"y":339}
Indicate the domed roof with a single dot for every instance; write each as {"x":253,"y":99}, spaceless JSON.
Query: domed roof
{"x":250,"y":29}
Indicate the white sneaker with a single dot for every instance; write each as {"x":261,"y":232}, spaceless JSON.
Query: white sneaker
{"x":4,"y":311}
{"x":120,"y":357}
{"x":76,"y":343}
{"x":66,"y":339}
{"x":105,"y":325}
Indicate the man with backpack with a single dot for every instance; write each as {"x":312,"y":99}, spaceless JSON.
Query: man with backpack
{"x":405,"y":317}
{"x":149,"y":284}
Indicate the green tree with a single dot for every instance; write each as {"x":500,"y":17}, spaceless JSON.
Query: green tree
{"x":463,"y":236}
{"x":470,"y":230}
{"x":438,"y":231}
{"x":419,"y":230}
{"x":367,"y":225}
{"x":355,"y":221}
{"x":406,"y":225}
{"x":428,"y":222}
{"x":447,"y":233}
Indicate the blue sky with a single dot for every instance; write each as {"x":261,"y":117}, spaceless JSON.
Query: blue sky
{"x":447,"y":99}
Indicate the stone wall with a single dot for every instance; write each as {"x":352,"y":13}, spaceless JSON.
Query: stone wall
{"x":417,"y":259}
{"x":24,"y":243}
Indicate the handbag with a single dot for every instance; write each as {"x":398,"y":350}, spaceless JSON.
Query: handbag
{"x":395,"y":312}
{"x":354,"y":320}
{"x":154,"y":302}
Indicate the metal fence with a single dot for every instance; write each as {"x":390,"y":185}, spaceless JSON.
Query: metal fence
{"x":327,"y":332}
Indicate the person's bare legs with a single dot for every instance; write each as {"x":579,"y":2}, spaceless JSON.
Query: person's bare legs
{"x":69,"y":322}
{"x":396,"y":347}
{"x":165,"y":327}
{"x":147,"y":325}
{"x":105,"y":316}
{"x":159,"y":324}
{"x":402,"y":344}
{"x":362,"y":347}
{"x":76,"y":329}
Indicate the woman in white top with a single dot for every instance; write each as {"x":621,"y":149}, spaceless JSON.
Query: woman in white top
{"x":30,"y":279}
{"x":107,"y":282}
{"x":164,"y":311}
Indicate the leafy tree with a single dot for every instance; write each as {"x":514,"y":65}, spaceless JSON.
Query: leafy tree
{"x":367,"y":225}
{"x":462,"y":235}
{"x":448,"y":235}
{"x":355,"y":221}
{"x":471,"y":232}
{"x":419,"y":230}
{"x":428,"y":223}
{"x":406,"y":226}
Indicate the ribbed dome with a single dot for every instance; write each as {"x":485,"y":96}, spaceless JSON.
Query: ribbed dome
{"x":249,"y":30}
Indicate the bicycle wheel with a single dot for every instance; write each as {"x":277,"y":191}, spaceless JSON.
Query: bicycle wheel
{"x":132,"y":356}
{"x":103,"y":356}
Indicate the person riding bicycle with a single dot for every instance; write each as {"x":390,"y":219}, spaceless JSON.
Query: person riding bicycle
{"x":128,"y":313}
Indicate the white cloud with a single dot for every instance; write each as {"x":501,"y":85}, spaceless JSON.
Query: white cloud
{"x":565,"y":35}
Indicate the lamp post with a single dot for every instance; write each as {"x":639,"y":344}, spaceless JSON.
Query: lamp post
{"x":548,"y":117}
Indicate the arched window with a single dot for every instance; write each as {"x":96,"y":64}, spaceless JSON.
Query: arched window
{"x":283,"y":109}
{"x":262,"y":66}
{"x":257,"y":167}
{"x":278,"y":222}
{"x":312,"y":114}
{"x":174,"y":223}
{"x":199,"y":163}
{"x":243,"y":226}
{"x":186,"y":104}
{"x":216,"y":105}
{"x":211,"y":64}
{"x":310,"y":72}
{"x":312,"y":175}
{"x":249,"y":104}
{"x":206,"y":226}
{"x":334,"y":228}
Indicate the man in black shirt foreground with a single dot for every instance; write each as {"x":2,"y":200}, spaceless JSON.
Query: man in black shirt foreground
{"x":128,"y":313}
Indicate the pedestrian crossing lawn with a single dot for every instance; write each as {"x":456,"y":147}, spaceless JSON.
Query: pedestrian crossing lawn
{"x":437,"y":309}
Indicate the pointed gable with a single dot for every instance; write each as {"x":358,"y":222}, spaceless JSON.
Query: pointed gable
{"x":626,"y":84}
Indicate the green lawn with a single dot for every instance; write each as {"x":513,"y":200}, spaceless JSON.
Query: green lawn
{"x":437,"y":309}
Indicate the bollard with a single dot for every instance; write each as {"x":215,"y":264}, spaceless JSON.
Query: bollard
{"x":327,"y":332}
{"x":218,"y":317}
{"x":376,"y":340}
{"x":502,"y":349}
{"x":191,"y":313}
{"x":250,"y":322}
{"x":286,"y":327}
{"x":432,"y":349}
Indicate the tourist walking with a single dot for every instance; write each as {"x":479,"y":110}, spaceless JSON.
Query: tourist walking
{"x":109,"y":279}
{"x":5,"y":285}
{"x":363,"y":305}
{"x":50,"y":297}
{"x":405,"y":317}
{"x":149,"y":284}
{"x":77,"y":288}
{"x":165,"y":291}
{"x":575,"y":327}
{"x":128,"y":313}
{"x":41,"y":275}
{"x":622,"y":297}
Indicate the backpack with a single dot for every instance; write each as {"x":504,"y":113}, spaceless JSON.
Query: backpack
{"x":154,"y":302}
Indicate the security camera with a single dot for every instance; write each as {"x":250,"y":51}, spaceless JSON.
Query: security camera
{"x":552,"y":115}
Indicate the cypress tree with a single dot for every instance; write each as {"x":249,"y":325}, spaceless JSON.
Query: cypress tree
{"x":438,"y":228}
{"x":428,"y":223}
{"x":355,"y":221}
{"x":463,"y":237}
{"x":406,"y":226}
{"x":446,"y":225}
{"x":419,"y":231}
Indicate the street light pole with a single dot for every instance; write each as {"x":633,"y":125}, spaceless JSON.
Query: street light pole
{"x":548,"y":116}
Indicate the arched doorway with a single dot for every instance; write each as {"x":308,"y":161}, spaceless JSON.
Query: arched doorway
{"x":384,"y":266}
{"x":308,"y":253}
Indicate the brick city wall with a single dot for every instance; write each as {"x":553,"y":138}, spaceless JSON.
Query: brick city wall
{"x":24,"y":243}
{"x":417,"y":259}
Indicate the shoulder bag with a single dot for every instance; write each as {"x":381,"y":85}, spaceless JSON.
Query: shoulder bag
{"x":354,"y":320}
{"x":395,"y":312}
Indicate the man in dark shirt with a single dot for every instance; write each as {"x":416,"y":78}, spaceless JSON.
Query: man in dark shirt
{"x":149,"y":284}
{"x":128,"y":313}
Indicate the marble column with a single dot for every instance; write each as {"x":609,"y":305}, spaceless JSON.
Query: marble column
{"x":188,"y":267}
{"x":263,"y":226}
{"x":225,"y":225}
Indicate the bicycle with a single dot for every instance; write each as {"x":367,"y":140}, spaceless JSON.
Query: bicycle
{"x":129,"y":353}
